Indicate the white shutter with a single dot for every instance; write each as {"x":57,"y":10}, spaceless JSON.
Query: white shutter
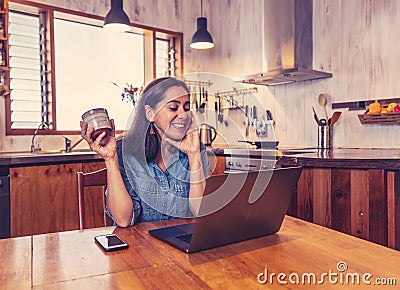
{"x":25,"y":85}
{"x":165,"y":57}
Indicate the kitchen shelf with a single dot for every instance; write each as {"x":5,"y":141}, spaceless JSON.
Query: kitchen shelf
{"x":362,"y":105}
{"x":383,"y":119}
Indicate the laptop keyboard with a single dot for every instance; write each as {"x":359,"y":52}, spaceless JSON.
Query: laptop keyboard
{"x":186,"y":238}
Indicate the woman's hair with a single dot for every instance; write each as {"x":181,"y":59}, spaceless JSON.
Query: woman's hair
{"x":143,"y":140}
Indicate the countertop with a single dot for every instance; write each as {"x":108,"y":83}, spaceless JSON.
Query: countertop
{"x":362,"y":158}
{"x":26,"y":158}
{"x":387,"y":159}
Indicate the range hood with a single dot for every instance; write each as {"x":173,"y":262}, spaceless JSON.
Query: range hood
{"x":287,"y":52}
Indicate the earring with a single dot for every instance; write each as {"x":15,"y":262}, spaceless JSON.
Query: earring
{"x":151,"y":130}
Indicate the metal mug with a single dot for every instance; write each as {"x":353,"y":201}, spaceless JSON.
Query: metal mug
{"x":207,"y":134}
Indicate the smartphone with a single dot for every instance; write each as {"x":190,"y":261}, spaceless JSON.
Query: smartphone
{"x":111,"y":242}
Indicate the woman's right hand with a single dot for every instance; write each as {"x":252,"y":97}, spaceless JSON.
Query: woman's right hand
{"x":105,"y":146}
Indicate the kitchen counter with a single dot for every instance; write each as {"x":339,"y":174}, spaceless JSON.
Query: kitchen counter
{"x":388,"y":159}
{"x":26,"y":158}
{"x":361,"y":158}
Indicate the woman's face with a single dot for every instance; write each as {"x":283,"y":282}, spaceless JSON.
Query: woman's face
{"x":172,"y":117}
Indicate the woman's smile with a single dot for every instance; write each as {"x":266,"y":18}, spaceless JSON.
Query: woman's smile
{"x":173,"y":117}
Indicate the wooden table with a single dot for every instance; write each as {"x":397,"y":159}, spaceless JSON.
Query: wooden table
{"x":71,"y":260}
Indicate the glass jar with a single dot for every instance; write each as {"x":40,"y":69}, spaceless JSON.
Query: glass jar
{"x":99,"y":120}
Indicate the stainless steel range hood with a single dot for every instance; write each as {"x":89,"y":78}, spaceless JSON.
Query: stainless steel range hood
{"x":287,"y":44}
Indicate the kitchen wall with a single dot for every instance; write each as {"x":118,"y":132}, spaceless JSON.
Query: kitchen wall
{"x":355,"y":40}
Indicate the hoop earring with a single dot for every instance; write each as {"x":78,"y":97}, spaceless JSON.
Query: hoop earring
{"x":151,"y":129}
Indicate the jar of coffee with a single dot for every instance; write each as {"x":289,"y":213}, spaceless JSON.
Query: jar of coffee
{"x":99,"y":120}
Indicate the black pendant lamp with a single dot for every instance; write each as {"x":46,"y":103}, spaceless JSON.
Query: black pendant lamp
{"x":116,"y":19}
{"x":202,"y":38}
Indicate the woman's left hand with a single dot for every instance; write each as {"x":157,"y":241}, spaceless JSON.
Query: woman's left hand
{"x":190,"y":144}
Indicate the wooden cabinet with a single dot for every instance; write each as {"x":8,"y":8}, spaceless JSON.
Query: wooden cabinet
{"x":359,"y":202}
{"x":44,"y":198}
{"x":217,"y":164}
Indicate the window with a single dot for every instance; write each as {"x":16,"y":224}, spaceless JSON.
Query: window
{"x":87,"y":67}
{"x":63,"y":64}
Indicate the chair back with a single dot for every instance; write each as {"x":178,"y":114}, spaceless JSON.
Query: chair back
{"x":95,"y":178}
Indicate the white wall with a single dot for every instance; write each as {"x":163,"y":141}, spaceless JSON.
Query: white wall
{"x":355,"y":40}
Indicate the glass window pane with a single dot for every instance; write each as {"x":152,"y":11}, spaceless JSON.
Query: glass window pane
{"x":88,"y":60}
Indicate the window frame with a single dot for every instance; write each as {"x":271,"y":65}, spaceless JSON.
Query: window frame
{"x":150,"y":36}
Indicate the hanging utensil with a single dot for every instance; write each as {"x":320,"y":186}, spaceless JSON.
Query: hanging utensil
{"x":216,"y":110}
{"x":220,"y":115}
{"x":261,"y":127}
{"x":335,"y":117}
{"x":206,"y":102}
{"x":255,"y":118}
{"x":315,"y":116}
{"x":323,"y":101}
{"x":269,"y":115}
{"x":247,"y":120}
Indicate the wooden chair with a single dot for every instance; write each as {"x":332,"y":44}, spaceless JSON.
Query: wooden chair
{"x":95,"y":178}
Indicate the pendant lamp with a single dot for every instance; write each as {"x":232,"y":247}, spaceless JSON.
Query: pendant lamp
{"x":202,"y":38}
{"x":116,"y":19}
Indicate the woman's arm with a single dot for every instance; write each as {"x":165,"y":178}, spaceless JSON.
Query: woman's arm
{"x":197,"y":181}
{"x":190,"y":145}
{"x":119,"y":202}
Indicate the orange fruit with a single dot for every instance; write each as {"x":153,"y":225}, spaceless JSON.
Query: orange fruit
{"x":374,"y":108}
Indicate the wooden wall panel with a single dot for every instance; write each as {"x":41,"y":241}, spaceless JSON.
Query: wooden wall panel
{"x":322,"y":196}
{"x":378,"y":209}
{"x":363,"y":203}
{"x":393,"y":192}
{"x":360,"y":203}
{"x":341,"y":200}
{"x":395,"y":212}
{"x":304,"y":195}
{"x":391,"y":195}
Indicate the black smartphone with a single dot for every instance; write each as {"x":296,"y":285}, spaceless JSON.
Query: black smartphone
{"x":111,"y":242}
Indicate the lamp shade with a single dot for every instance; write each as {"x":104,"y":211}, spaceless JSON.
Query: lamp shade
{"x":116,"y":19}
{"x":202,"y":38}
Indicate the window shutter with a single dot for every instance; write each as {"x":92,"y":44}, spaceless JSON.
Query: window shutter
{"x":25,"y":80}
{"x":165,"y":58}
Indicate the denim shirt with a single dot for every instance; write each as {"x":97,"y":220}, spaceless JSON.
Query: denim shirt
{"x":158,"y":195}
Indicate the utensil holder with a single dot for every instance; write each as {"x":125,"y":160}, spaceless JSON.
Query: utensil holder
{"x":325,"y":137}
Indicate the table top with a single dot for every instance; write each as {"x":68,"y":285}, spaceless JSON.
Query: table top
{"x":71,"y":260}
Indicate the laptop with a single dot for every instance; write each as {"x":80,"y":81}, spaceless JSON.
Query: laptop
{"x":235,"y":207}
